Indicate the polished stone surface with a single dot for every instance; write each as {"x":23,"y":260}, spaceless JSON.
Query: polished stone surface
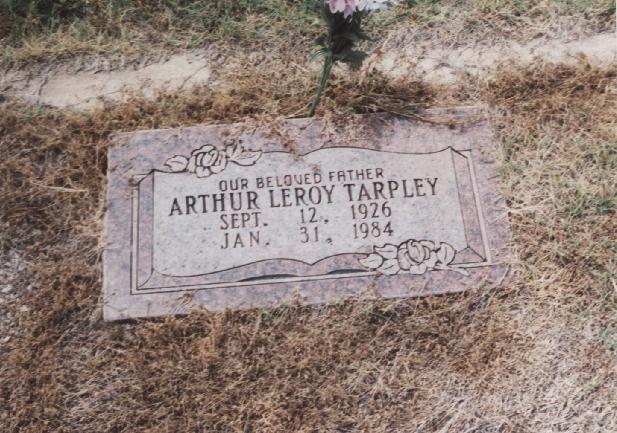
{"x":239,"y":216}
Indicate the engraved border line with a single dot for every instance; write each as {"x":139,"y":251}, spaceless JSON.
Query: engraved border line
{"x":232,"y":284}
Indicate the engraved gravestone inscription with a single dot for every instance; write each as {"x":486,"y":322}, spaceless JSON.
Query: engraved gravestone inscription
{"x":234,"y":217}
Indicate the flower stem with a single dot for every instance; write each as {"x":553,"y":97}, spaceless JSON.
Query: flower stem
{"x":325,"y":72}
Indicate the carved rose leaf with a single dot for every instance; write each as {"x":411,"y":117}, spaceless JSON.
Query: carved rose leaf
{"x":372,"y":261}
{"x":389,"y":267}
{"x":246,"y":157}
{"x":177,"y":163}
{"x":191,"y":165}
{"x":388,"y":251}
{"x":233,"y":151}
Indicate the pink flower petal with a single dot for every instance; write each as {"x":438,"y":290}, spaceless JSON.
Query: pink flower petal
{"x":337,"y":5}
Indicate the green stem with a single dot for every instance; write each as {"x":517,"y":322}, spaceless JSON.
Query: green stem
{"x":325,"y":72}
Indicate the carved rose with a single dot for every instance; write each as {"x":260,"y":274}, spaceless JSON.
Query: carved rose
{"x":412,"y":257}
{"x":445,"y":253}
{"x":417,"y":257}
{"x":208,"y":160}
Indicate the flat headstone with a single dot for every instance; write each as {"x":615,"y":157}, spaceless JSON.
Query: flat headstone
{"x":241,"y":216}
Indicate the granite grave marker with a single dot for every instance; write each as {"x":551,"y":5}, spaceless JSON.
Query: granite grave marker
{"x":238,"y":216}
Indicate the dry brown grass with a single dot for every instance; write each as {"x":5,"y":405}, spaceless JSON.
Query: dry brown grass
{"x":463,"y":22}
{"x":137,"y":28}
{"x":536,"y":356}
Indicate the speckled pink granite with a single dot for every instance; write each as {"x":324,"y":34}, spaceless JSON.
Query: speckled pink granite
{"x":134,"y":287}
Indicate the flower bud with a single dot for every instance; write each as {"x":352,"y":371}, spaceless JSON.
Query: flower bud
{"x":404,"y":260}
{"x":416,"y":251}
{"x":207,"y":160}
{"x":445,"y":253}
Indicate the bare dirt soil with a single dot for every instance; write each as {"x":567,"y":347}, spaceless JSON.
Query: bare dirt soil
{"x":83,"y":83}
